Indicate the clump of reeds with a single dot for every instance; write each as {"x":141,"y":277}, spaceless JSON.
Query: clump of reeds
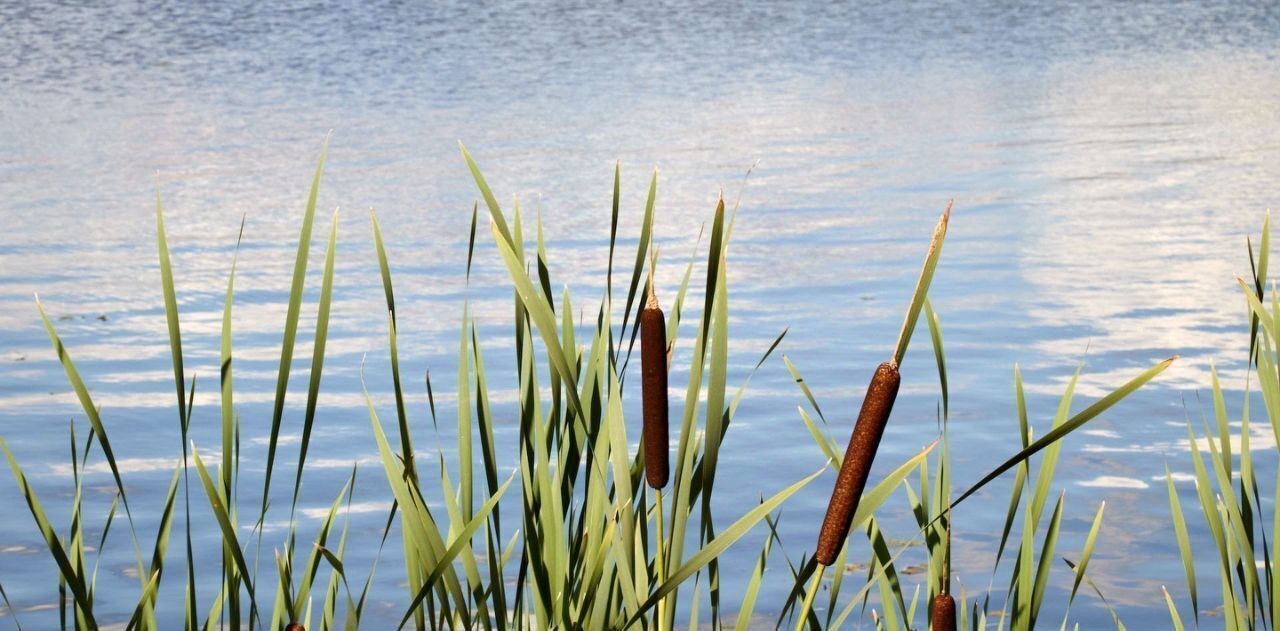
{"x":653,"y":369}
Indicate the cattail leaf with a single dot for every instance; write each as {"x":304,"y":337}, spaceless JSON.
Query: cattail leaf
{"x":613,"y":231}
{"x":1173,"y":610}
{"x":751,"y":591}
{"x":541,"y":315}
{"x":642,"y":250}
{"x":75,"y":580}
{"x":461,"y":542}
{"x":717,"y":546}
{"x":874,"y":498}
{"x":1046,"y":561}
{"x":230,"y":542}
{"x":317,"y":355}
{"x":1258,"y":266}
{"x":1267,"y":320}
{"x":291,"y":324}
{"x":402,"y":412}
{"x":1087,"y":553}
{"x":495,"y":211}
{"x":422,"y":536}
{"x":465,"y":468}
{"x":1069,"y":426}
{"x":86,"y":403}
{"x":171,"y":311}
{"x":9,"y":610}
{"x":825,"y":443}
{"x":456,"y":520}
{"x":312,"y":567}
{"x":935,"y":336}
{"x":804,"y":387}
{"x":224,"y":377}
{"x":922,"y":286}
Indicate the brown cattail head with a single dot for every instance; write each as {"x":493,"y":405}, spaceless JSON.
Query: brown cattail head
{"x":293,"y":626}
{"x":942,"y":616}
{"x":653,"y":371}
{"x":857,"y":462}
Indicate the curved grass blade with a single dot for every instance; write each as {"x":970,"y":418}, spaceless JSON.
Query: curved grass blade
{"x":402,"y":414}
{"x":541,"y":314}
{"x":460,"y":542}
{"x":230,"y":541}
{"x":86,"y":403}
{"x":495,"y":211}
{"x":9,"y":610}
{"x":171,"y":311}
{"x":752,"y":589}
{"x":642,"y":249}
{"x":1173,"y":611}
{"x":303,"y":595}
{"x":879,"y":494}
{"x":1184,"y":542}
{"x":935,"y":335}
{"x":1069,"y":426}
{"x":613,"y":230}
{"x":74,"y":579}
{"x":716,"y":546}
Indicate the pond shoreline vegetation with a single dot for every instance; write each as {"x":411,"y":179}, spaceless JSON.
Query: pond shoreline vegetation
{"x":605,"y":538}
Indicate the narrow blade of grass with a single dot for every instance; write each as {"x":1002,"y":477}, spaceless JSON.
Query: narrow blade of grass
{"x":1069,"y":426}
{"x":291,"y":323}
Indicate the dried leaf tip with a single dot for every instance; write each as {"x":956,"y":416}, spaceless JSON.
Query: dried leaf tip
{"x":651,"y":296}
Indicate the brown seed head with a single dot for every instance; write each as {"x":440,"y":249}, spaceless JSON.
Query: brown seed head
{"x":293,"y":626}
{"x":653,"y":371}
{"x":943,"y":614}
{"x":858,"y":457}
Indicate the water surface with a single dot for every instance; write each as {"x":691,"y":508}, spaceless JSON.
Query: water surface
{"x":1106,"y":163}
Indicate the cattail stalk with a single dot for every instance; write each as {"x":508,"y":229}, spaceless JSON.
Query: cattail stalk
{"x":858,"y":457}
{"x":874,"y":415}
{"x":653,"y":371}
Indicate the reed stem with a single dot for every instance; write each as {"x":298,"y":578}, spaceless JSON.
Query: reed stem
{"x":807,"y":605}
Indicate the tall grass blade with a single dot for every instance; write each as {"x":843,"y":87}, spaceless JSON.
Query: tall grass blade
{"x":317,"y":356}
{"x":291,"y":324}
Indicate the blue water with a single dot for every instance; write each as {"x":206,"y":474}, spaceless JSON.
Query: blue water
{"x":1106,"y":162}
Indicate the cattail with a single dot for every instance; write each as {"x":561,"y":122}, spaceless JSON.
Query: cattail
{"x":943,"y":614}
{"x":653,"y":370}
{"x":857,"y":461}
{"x":293,"y":626}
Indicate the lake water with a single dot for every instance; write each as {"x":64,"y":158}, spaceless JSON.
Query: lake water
{"x":1106,"y":163}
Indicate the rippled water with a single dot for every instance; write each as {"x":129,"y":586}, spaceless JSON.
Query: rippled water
{"x":1106,"y":163}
